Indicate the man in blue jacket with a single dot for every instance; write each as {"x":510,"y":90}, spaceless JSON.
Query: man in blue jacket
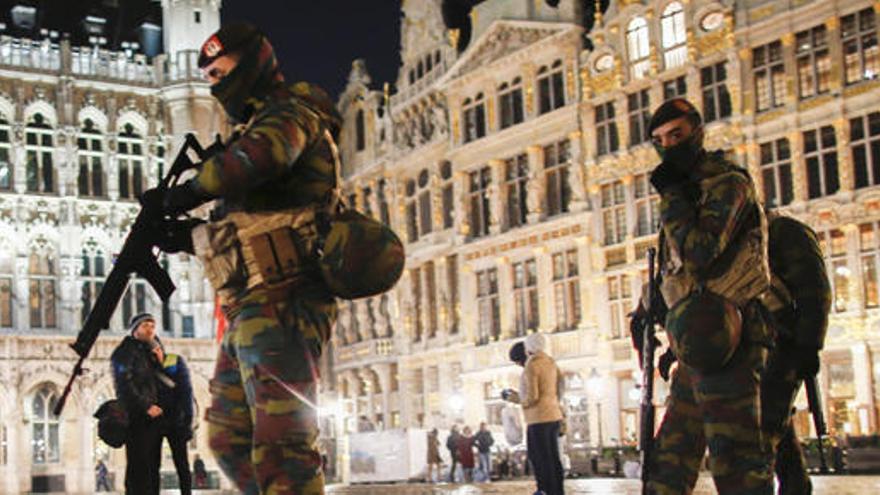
{"x":176,"y":400}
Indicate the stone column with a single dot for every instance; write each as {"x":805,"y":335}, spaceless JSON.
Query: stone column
{"x":537,"y":178}
{"x":383,"y":373}
{"x":788,"y":56}
{"x":742,"y":97}
{"x":18,"y":155}
{"x":866,"y":419}
{"x":835,"y":50}
{"x":544,"y":264}
{"x":462,"y":220}
{"x":373,"y":202}
{"x":577,"y":173}
{"x":844,"y":163}
{"x":798,"y":172}
{"x":69,"y":302}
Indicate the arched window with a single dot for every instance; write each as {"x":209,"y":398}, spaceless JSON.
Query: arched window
{"x":91,"y":157}
{"x":447,"y":194}
{"x":92,"y":275}
{"x":412,"y":221}
{"x":39,"y":145}
{"x":45,"y":435}
{"x":551,"y":90}
{"x":637,"y":43}
{"x":510,"y":103}
{"x":474,"y":117}
{"x":131,"y":163}
{"x":674,"y":36}
{"x":42,"y":293}
{"x":5,"y":152}
{"x":359,"y":130}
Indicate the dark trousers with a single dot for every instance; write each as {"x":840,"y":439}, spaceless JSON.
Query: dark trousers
{"x":181,"y":461}
{"x":452,"y":468}
{"x":143,"y":457}
{"x":543,"y":450}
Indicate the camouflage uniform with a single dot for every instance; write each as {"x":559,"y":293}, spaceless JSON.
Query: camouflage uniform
{"x":796,"y":260}
{"x":718,"y":408}
{"x":262,"y":419}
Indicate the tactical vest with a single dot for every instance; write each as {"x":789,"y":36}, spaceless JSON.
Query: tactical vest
{"x":740,"y":274}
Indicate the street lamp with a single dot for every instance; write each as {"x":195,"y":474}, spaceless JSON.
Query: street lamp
{"x":594,"y":384}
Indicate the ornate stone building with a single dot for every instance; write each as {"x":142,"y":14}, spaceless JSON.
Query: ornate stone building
{"x":83,"y":130}
{"x":516,"y":171}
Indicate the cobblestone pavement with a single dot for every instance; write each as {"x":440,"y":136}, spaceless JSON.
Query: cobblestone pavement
{"x":823,"y":485}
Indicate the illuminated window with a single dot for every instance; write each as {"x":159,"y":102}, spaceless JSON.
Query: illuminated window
{"x":489,"y":313}
{"x":768,"y":70}
{"x":551,"y":90}
{"x":510,"y":103}
{"x":39,"y":146}
{"x":557,"y":166}
{"x":525,"y":296}
{"x":516,"y":175}
{"x":613,"y":198}
{"x":566,"y":290}
{"x":813,"y":62}
{"x":776,"y":172}
{"x":637,"y":43}
{"x":674,"y":36}
{"x":130,"y":157}
{"x":45,"y":440}
{"x":474,"y":117}
{"x":861,"y":54}
{"x":606,"y":129}
{"x":480,"y":180}
{"x":833,"y":243}
{"x":864,"y":138}
{"x":620,"y":303}
{"x":647,"y":206}
{"x":42,"y":294}
{"x":639,"y":108}
{"x":91,"y":157}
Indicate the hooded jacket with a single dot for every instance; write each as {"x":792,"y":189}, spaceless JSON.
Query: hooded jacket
{"x":541,"y":381}
{"x":177,"y":402}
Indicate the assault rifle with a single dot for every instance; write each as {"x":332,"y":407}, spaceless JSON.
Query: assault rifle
{"x":136,"y":257}
{"x":814,"y":399}
{"x":646,"y":425}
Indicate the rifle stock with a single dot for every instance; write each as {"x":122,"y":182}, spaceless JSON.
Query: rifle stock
{"x":135,"y":258}
{"x":646,"y":424}
{"x":814,"y":399}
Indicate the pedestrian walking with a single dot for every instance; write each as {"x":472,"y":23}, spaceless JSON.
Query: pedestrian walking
{"x":452,"y":447}
{"x":200,"y":474}
{"x":433,"y":456}
{"x":102,"y":477}
{"x":484,"y":441}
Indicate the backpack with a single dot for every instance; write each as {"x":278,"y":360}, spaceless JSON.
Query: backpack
{"x":112,"y":423}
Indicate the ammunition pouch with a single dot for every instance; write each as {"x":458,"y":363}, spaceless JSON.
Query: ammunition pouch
{"x":262,"y":250}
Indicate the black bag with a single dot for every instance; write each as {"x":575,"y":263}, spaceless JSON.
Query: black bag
{"x":112,"y":423}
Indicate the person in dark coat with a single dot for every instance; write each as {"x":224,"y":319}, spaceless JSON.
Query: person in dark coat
{"x":135,"y":380}
{"x":200,"y":473}
{"x":452,"y":446}
{"x":465,"y":446}
{"x":484,"y":441}
{"x":176,"y":400}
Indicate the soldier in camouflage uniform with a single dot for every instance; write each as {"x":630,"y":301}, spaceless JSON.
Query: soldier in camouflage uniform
{"x":712,"y":267}
{"x":799,"y":300}
{"x":262,"y":419}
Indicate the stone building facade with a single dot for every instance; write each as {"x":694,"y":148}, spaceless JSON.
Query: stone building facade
{"x":83,"y":130}
{"x":517,"y":170}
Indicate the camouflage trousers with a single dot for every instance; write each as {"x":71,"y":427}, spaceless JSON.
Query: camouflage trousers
{"x":720,"y":410}
{"x":779,"y":389}
{"x":263,"y":425}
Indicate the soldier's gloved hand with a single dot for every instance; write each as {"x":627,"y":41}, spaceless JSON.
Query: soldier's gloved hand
{"x":637,"y":330}
{"x":175,"y":236}
{"x":665,"y":176}
{"x":665,"y":364}
{"x":183,"y":198}
{"x":806,"y":361}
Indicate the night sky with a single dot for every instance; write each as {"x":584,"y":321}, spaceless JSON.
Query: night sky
{"x":316,"y":40}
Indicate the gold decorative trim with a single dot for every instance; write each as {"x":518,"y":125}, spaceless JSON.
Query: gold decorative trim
{"x":714,"y":42}
{"x":814,"y":102}
{"x":768,"y":116}
{"x":861,"y":88}
{"x":761,"y":13}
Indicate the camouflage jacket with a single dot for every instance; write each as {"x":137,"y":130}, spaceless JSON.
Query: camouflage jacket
{"x":700,"y":225}
{"x":281,"y":159}
{"x":796,"y":259}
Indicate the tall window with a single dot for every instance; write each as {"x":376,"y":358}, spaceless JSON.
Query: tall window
{"x":429,"y":305}
{"x":833,"y":243}
{"x":39,"y":145}
{"x":92,"y":276}
{"x":510,"y":103}
{"x":675,"y":88}
{"x":489,"y":324}
{"x":360,"y":133}
{"x":614,"y":212}
{"x":384,"y":211}
{"x":813,"y":61}
{"x":647,"y":206}
{"x":447,"y":194}
{"x":639,"y":107}
{"x":619,"y":302}
{"x":412,"y":212}
{"x":869,"y":245}
{"x":134,"y":300}
{"x":566,"y":290}
{"x":474,"y":118}
{"x":452,"y":292}
{"x":551,"y":90}
{"x":480,"y":181}
{"x":557,"y":164}
{"x":45,"y":440}
{"x":91,"y":157}
{"x":131,"y":158}
{"x":7,"y":269}
{"x":525,"y":296}
{"x":820,"y":155}
{"x":861,"y":55}
{"x":42,"y":294}
{"x":367,"y":194}
{"x":426,"y":216}
{"x":5,"y":153}
{"x":638,"y":47}
{"x":516,"y":175}
{"x":768,"y":69}
{"x":716,"y":98}
{"x":776,"y":172}
{"x":864,"y":138}
{"x":674,"y":36}
{"x":606,"y":129}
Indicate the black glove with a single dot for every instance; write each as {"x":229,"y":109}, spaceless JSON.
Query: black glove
{"x":175,"y":200}
{"x":806,"y":361}
{"x":665,"y":176}
{"x":175,"y":236}
{"x":637,"y":331}
{"x":665,"y":364}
